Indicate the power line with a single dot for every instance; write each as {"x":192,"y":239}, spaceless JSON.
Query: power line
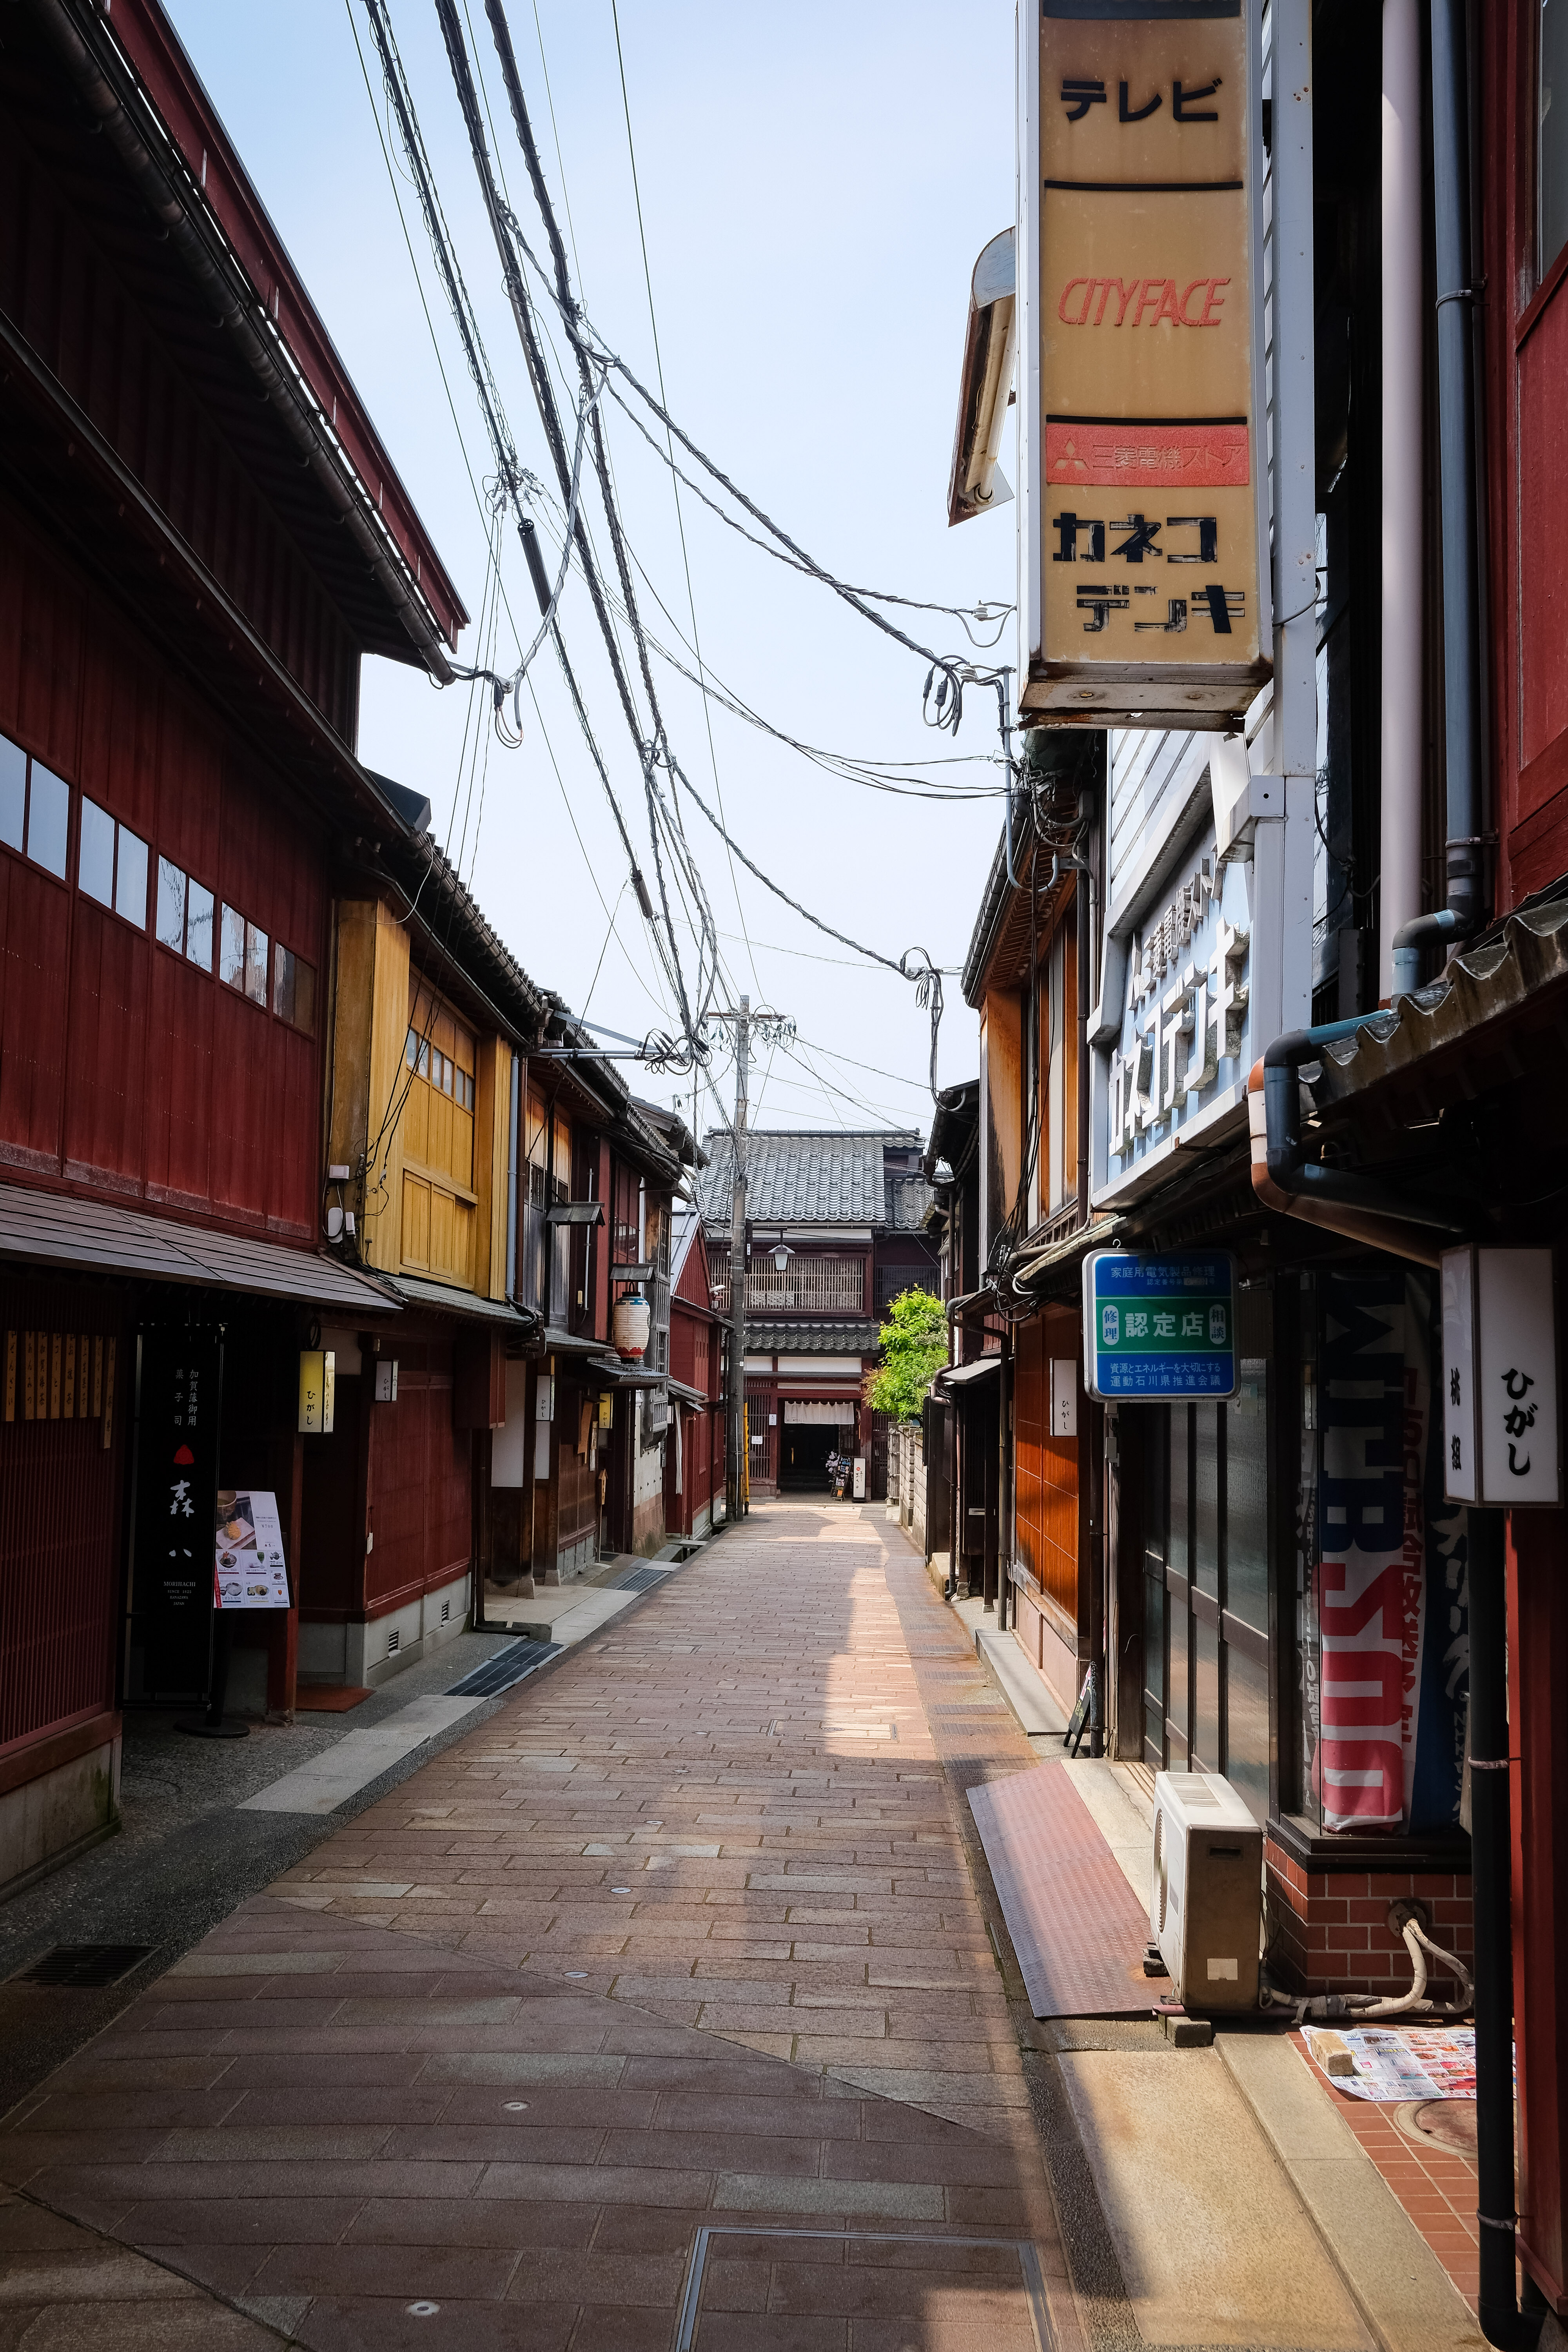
{"x":675,"y":483}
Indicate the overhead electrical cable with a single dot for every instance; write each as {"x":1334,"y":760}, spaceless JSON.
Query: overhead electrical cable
{"x":648,"y":749}
{"x":513,"y":481}
{"x":675,"y":487}
{"x":507,"y":240}
{"x":985,"y":612}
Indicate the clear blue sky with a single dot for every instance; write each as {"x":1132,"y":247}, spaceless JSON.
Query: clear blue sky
{"x":816,"y":183}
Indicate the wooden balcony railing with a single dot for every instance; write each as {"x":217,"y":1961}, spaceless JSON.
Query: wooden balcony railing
{"x":815,"y":1286}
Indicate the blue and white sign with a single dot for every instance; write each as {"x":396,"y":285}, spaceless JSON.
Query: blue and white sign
{"x":1185,"y":1038}
{"x":1158,"y":1330}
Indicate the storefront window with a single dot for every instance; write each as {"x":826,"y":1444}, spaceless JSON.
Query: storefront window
{"x":1247,"y":1496}
{"x":1206,"y":1632}
{"x":1205,"y":1498}
{"x":1553,"y":164}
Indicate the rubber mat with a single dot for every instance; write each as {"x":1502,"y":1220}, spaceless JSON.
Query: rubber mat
{"x":329,"y":1699}
{"x":1077,"y":1927}
{"x":507,"y":1666}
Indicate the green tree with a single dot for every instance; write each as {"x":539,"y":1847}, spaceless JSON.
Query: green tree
{"x":913,"y":1341}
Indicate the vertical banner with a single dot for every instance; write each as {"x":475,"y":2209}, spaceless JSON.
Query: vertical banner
{"x":176,"y":1502}
{"x":1148,"y":458}
{"x":1393,"y":1595}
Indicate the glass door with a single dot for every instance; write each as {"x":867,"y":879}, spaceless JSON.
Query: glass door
{"x":1207,"y":1587}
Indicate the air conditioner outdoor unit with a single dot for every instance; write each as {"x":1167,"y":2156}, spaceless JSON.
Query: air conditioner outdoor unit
{"x":1205,"y":1901}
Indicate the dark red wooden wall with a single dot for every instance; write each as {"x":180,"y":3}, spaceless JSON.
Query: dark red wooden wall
{"x":71,"y":303}
{"x":1524,"y":326}
{"x":1524,"y":322}
{"x":421,"y":1482}
{"x":60,"y":1527}
{"x":124,"y":1069}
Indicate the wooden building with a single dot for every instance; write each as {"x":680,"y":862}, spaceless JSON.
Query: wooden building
{"x":194,"y":558}
{"x":833,"y":1231}
{"x":698,"y":1358}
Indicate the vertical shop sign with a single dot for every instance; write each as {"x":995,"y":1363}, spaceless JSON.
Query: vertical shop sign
{"x":1393,"y":1591}
{"x":1500,"y":1441}
{"x":1145,"y":459}
{"x":177,"y":1498}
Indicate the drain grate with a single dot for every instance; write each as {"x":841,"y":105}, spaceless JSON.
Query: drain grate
{"x":84,"y":1968}
{"x":507,"y":1666}
{"x":640,"y":1580}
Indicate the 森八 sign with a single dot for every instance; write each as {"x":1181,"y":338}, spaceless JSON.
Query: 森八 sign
{"x":1159,"y":1329}
{"x":179,"y":1409}
{"x":1499,"y":1378}
{"x":248,"y":1570}
{"x":1143,"y":458}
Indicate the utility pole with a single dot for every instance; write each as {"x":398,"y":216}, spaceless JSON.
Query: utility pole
{"x":776,"y":1027}
{"x":737,"y":1483}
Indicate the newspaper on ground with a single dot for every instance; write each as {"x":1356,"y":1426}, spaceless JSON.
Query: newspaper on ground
{"x":1387,"y":2064}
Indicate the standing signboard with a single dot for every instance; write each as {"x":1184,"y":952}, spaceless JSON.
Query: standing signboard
{"x":178,"y":1404}
{"x":1159,"y":1329}
{"x":248,"y":1567}
{"x":1141,"y":362}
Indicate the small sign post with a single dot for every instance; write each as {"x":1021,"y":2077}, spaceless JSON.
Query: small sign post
{"x":1159,"y":1330}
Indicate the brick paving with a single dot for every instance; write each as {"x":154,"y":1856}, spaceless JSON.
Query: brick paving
{"x":731,"y":1810}
{"x":1436,"y":2186}
{"x":679,"y":1951}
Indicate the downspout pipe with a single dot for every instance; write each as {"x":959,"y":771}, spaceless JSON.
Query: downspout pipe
{"x":1502,"y":2321}
{"x":1286,"y":1181}
{"x":1410,"y":938}
{"x":1465,"y":862}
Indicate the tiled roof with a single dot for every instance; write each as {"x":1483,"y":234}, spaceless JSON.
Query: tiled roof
{"x":848,"y":1338}
{"x":909,"y":1197}
{"x":1524,"y":954}
{"x":799,"y":1178}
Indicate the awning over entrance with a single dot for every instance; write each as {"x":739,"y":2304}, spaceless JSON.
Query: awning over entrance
{"x":449,"y":1300}
{"x":963,"y":1376}
{"x":57,"y":1229}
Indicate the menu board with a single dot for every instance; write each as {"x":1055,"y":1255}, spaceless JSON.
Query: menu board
{"x":248,"y":1570}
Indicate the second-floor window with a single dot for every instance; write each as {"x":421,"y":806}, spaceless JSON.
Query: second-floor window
{"x":439,"y":1056}
{"x":34,"y":809}
{"x":111,"y":863}
{"x":1551,"y":226}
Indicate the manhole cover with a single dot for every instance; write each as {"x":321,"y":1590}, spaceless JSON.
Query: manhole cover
{"x":1440,"y":2122}
{"x":82,"y":1968}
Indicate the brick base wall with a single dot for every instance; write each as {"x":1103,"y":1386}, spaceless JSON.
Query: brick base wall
{"x":1330,"y":1929}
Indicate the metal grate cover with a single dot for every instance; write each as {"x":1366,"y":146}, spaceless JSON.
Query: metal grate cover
{"x":640,"y":1580}
{"x":84,"y":1968}
{"x":508,"y":1666}
{"x":1025,"y":2327}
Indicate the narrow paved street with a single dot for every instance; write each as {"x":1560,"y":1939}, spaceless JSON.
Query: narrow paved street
{"x":662,"y":2009}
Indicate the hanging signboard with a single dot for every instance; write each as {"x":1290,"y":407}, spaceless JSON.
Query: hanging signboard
{"x":1159,"y":1329}
{"x":1141,"y":290}
{"x":248,"y":1570}
{"x":1499,"y":1378}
